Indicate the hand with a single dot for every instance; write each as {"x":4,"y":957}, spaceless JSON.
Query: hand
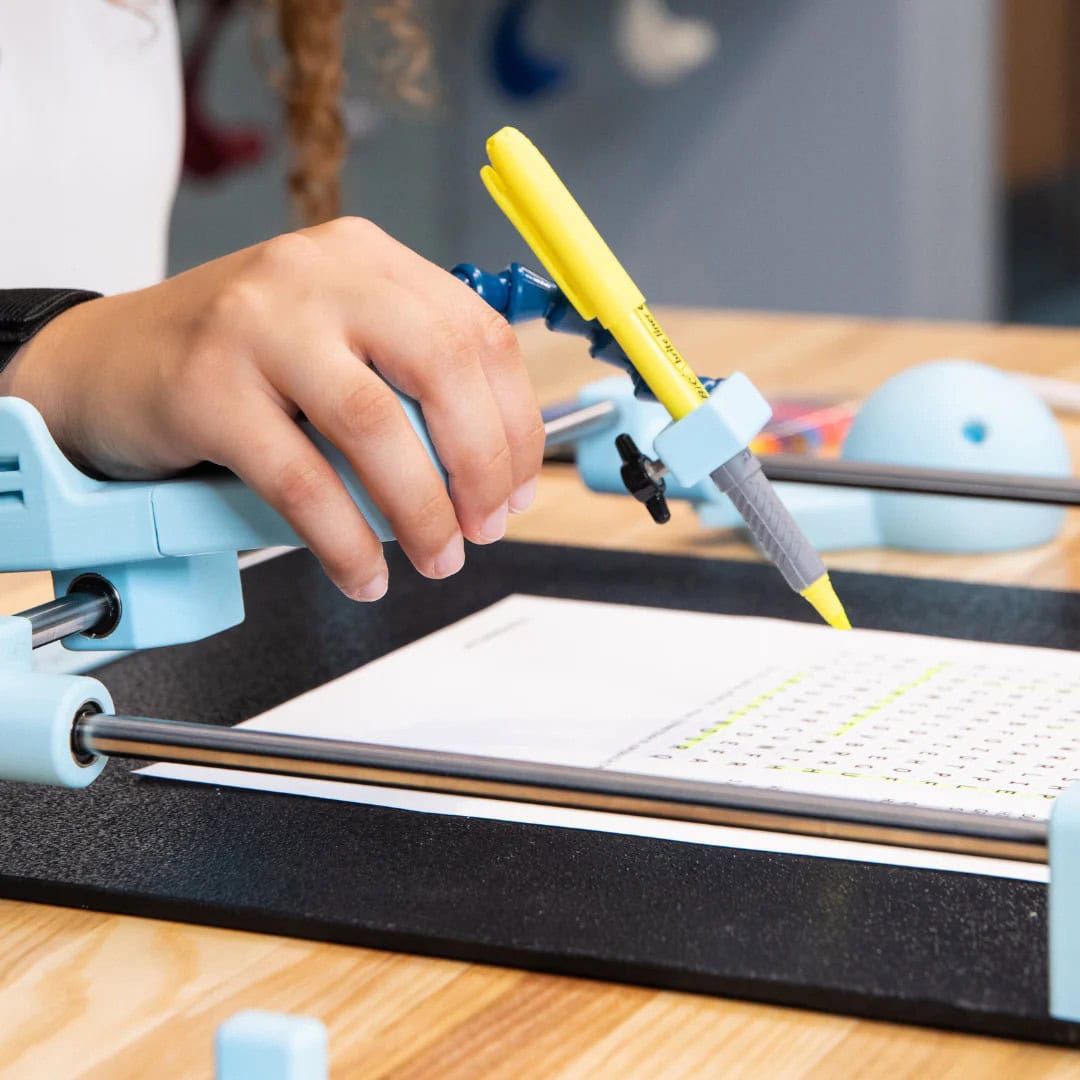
{"x":216,"y":363}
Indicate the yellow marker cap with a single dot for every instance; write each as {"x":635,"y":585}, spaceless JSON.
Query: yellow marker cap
{"x":530,"y":193}
{"x":822,"y":597}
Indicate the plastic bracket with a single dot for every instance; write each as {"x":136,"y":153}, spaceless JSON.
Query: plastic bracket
{"x":714,"y":432}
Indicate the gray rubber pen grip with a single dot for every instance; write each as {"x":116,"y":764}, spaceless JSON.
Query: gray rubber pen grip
{"x":769,"y":521}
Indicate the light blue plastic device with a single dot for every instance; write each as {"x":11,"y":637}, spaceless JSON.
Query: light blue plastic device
{"x":169,"y":547}
{"x":950,"y":414}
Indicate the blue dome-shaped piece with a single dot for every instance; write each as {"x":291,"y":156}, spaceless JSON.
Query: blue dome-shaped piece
{"x":958,"y":414}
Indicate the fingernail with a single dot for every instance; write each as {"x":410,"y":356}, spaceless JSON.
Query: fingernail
{"x":373,"y":589}
{"x":495,"y":527}
{"x":451,"y":559}
{"x":523,"y":497}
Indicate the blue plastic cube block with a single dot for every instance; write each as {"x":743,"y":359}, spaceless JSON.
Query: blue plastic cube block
{"x":257,"y":1045}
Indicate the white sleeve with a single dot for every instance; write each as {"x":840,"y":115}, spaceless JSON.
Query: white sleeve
{"x":91,"y":131}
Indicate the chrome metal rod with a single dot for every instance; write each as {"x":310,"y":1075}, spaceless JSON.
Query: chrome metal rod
{"x":75,"y":613}
{"x":794,"y":468}
{"x":560,"y":785}
{"x":799,"y":469}
{"x":578,"y":423}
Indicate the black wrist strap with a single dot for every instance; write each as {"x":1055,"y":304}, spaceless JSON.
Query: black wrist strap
{"x":23,"y":312}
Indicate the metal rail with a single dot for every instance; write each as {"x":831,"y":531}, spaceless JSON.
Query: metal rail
{"x":833,"y":472}
{"x":91,"y":606}
{"x":796,"y":469}
{"x":577,"y":423}
{"x":559,"y":785}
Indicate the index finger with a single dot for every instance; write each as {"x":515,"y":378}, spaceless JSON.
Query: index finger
{"x":496,"y":347}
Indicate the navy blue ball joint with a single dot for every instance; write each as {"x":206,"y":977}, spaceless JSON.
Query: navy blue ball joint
{"x":522,"y":295}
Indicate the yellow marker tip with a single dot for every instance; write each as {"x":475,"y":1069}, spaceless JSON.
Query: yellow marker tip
{"x":822,"y":597}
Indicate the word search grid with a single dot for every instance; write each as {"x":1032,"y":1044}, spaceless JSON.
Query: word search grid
{"x":888,"y":726}
{"x":987,"y":729}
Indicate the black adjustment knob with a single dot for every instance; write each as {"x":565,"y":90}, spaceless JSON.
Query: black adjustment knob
{"x":643,"y":478}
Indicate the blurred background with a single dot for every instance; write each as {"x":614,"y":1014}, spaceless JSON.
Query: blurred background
{"x":881,"y":157}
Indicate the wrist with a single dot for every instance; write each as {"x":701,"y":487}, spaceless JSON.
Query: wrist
{"x":41,"y":372}
{"x":23,"y":312}
{"x":29,"y":321}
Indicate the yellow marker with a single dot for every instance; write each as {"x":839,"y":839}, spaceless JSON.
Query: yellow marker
{"x":822,"y":597}
{"x":536,"y":201}
{"x":549,"y":219}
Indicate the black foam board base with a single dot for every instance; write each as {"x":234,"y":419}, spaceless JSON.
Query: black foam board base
{"x":912,"y":945}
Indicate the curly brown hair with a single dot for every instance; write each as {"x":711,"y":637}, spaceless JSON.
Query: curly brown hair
{"x":313,"y":35}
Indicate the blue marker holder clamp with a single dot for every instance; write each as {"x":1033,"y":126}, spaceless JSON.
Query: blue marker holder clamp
{"x":737,"y":415}
{"x":690,"y":448}
{"x":713,"y":433}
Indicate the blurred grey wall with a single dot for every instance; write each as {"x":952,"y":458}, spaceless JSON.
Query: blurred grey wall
{"x":837,"y":155}
{"x":391,"y":176}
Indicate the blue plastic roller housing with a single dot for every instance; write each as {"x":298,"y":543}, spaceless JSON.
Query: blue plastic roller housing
{"x":36,"y":714}
{"x":169,"y":546}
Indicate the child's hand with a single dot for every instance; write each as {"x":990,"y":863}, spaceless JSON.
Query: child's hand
{"x":214,"y":364}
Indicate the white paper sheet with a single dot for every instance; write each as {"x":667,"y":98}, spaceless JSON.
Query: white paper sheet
{"x":988,"y":729}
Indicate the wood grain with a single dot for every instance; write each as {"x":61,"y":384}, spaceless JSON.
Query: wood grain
{"x":21,"y":591}
{"x":85,"y":994}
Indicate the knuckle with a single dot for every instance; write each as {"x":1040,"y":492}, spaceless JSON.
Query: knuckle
{"x":498,"y":460}
{"x":233,"y":308}
{"x":355,"y":230}
{"x":430,"y":518}
{"x":456,"y":350}
{"x":301,"y":483}
{"x":490,"y":463}
{"x":367,"y":412}
{"x":287,"y":255}
{"x":498,"y":338}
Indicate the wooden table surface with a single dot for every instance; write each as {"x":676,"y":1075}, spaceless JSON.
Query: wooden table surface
{"x":98,"y":995}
